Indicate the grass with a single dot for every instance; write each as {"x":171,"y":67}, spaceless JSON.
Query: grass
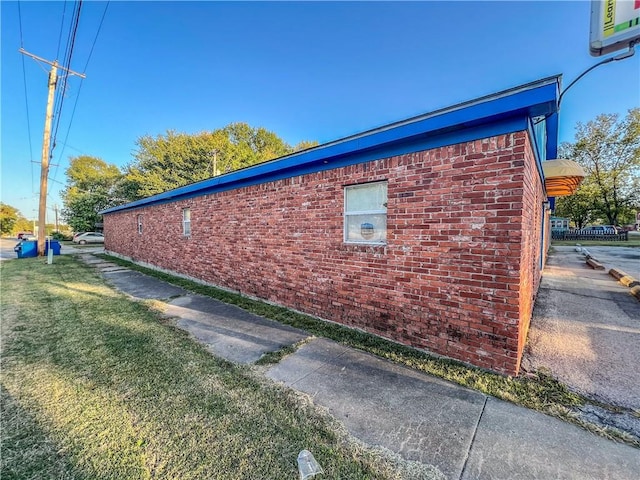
{"x":96,"y":386}
{"x":542,"y":392}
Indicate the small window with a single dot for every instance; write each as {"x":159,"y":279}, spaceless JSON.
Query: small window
{"x":186,"y":222}
{"x":365,"y":213}
{"x":140,"y":224}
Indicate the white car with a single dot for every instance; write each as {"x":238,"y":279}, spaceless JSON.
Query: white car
{"x":88,"y":237}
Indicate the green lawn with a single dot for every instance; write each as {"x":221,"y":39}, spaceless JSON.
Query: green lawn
{"x":96,"y":386}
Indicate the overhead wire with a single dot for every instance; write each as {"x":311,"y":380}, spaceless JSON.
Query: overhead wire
{"x":75,"y":104}
{"x":67,"y":66}
{"x":64,"y":10}
{"x":26,"y":99}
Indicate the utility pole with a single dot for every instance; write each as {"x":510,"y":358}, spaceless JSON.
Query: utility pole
{"x":215,"y":163}
{"x":55,"y":209}
{"x":46,"y":144}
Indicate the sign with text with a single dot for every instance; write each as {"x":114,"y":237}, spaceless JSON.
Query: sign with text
{"x":615,"y":25}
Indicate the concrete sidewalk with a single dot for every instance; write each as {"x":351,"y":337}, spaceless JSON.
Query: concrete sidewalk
{"x":585,"y":330}
{"x":465,"y":434}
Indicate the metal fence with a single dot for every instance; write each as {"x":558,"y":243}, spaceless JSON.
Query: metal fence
{"x":577,"y":236}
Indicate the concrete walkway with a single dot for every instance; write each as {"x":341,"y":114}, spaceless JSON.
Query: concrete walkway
{"x":585,"y":329}
{"x":465,"y":434}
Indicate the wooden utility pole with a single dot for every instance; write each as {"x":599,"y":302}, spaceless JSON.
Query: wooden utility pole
{"x":44,"y":169}
{"x":55,"y":209}
{"x":46,"y":144}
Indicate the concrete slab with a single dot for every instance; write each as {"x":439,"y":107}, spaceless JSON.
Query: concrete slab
{"x":92,"y":260}
{"x":585,"y":329}
{"x":142,"y":286}
{"x":229,"y":331}
{"x":111,"y":267}
{"x":516,"y":443}
{"x":419,"y":417}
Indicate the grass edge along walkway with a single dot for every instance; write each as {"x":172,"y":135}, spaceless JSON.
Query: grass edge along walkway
{"x":95,"y":385}
{"x":541,"y":392}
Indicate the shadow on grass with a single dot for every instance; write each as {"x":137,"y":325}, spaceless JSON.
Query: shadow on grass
{"x":27,"y":451}
{"x":125,"y":396}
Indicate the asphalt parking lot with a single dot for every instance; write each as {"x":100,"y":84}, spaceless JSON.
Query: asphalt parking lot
{"x":7,"y":253}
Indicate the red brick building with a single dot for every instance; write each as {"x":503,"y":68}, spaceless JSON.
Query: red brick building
{"x":430,"y":231}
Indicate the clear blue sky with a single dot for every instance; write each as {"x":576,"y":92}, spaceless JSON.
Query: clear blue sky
{"x":315,"y":71}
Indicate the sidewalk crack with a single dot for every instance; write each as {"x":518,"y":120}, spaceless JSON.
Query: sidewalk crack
{"x":473,"y":438}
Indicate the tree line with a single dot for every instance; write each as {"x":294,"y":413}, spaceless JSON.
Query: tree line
{"x":162,"y":163}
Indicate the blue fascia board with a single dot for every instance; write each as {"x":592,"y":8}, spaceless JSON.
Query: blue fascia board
{"x":552,"y":136}
{"x":536,"y":153}
{"x":461,"y":123}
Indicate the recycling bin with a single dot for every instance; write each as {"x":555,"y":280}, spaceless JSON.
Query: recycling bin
{"x":26,"y":248}
{"x":54,"y":245}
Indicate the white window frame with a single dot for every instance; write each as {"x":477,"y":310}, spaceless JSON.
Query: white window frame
{"x":186,"y":222}
{"x":347,"y":214}
{"x":139,"y":220}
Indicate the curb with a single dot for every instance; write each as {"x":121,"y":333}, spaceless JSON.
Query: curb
{"x":626,"y":280}
{"x":593,"y":263}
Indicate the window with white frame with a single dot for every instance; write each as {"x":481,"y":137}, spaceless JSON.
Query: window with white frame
{"x":140,"y":224}
{"x":365,"y":213}
{"x":186,"y":222}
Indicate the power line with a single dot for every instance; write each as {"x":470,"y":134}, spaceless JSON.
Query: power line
{"x":26,"y":98}
{"x":67,"y":65}
{"x":96,"y":37}
{"x":64,"y":9}
{"x":20,"y":21}
{"x":60,"y":93}
{"x":75,"y":103}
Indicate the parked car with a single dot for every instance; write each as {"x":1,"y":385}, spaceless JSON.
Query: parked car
{"x":88,"y":237}
{"x":616,"y":228}
{"x":22,"y":235}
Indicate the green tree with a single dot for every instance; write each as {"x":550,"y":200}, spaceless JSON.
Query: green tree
{"x":175,"y":159}
{"x":8,"y":217}
{"x":579,"y":207}
{"x":609,"y":151}
{"x":81,"y":210}
{"x":304,"y":145}
{"x":22,"y":225}
{"x":91,"y":187}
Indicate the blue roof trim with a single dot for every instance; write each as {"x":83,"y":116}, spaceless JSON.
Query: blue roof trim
{"x":496,"y":114}
{"x":536,"y":152}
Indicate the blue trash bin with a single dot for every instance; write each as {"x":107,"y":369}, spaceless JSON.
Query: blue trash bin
{"x":55,"y":246}
{"x":27,"y":248}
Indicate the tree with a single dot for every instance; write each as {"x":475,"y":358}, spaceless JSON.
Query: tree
{"x":174,"y":159}
{"x":304,"y":145}
{"x":91,"y":187}
{"x":609,"y":151}
{"x":23,"y":225}
{"x":8,"y":217}
{"x":81,"y":210}
{"x":578,"y":207}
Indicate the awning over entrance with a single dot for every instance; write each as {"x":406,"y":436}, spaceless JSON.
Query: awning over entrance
{"x":562,"y":177}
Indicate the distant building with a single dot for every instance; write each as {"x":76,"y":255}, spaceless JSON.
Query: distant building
{"x":431,"y":231}
{"x":559,"y":224}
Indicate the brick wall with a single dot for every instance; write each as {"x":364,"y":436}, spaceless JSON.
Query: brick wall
{"x":456,"y":277}
{"x":533,"y":248}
